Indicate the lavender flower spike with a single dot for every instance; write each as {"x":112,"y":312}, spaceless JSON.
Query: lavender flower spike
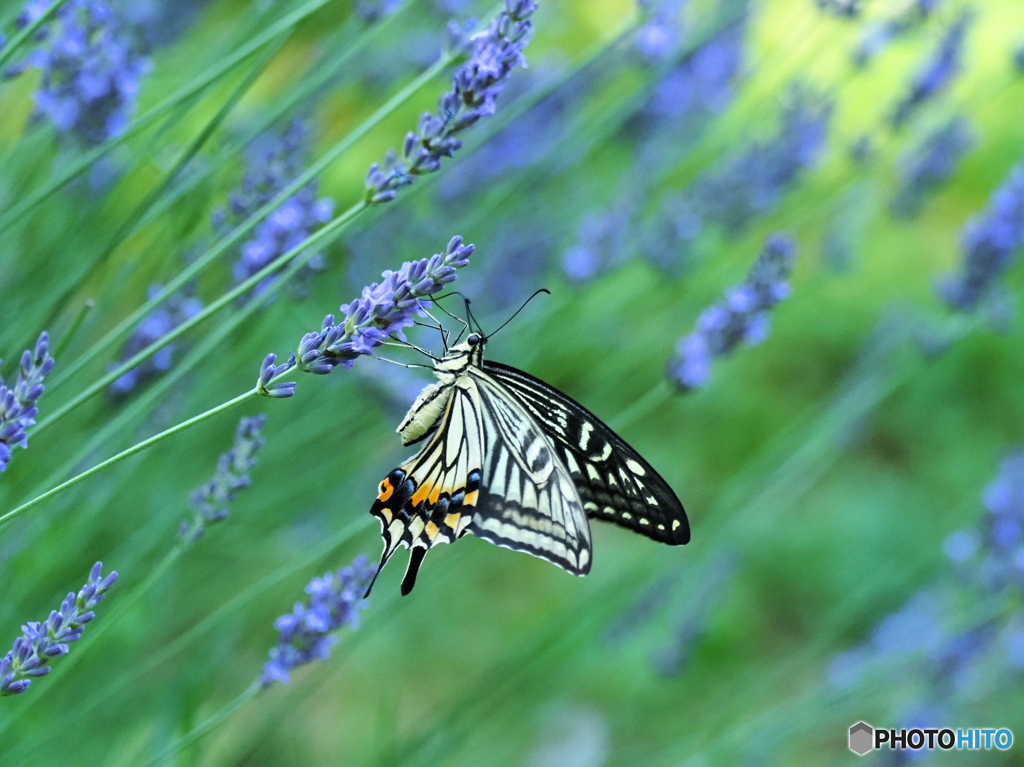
{"x":273,"y":162}
{"x":177,"y":309}
{"x":929,"y":165}
{"x":18,"y":403}
{"x":211,"y":501}
{"x":307,"y":633}
{"x":741,"y":317}
{"x":937,"y":72}
{"x":91,"y":69}
{"x":990,"y":242}
{"x":39,"y":643}
{"x":493,"y":53}
{"x":383,"y":309}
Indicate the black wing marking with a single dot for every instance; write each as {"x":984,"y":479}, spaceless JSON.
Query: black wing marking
{"x":613,"y":481}
{"x":528,"y":500}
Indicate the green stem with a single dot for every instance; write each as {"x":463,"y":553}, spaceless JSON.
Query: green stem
{"x":187,"y":155}
{"x":196,"y":267}
{"x":137,"y":448}
{"x":181,"y":95}
{"x":87,"y":306}
{"x":12,"y":47}
{"x":206,"y":726}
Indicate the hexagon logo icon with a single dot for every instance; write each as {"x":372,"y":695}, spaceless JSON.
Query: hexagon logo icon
{"x":862,"y":738}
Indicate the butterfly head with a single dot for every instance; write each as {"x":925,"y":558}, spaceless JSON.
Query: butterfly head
{"x":461,"y":356}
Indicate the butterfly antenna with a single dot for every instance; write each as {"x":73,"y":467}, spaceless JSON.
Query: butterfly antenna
{"x":436,"y":326}
{"x":465,"y":325}
{"x":471,"y":319}
{"x":528,"y":300}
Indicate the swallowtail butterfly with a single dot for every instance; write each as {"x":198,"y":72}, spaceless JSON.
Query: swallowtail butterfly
{"x":517,"y":463}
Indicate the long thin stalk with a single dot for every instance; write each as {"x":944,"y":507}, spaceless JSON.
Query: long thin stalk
{"x":137,"y":448}
{"x":185,"y":157}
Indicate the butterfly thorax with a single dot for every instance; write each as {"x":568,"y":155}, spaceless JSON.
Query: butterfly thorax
{"x":451,"y":371}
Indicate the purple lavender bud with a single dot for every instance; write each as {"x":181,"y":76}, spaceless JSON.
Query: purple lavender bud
{"x":1018,"y":59}
{"x":842,"y":9}
{"x":935,"y":73}
{"x":18,"y":407}
{"x":990,"y":243}
{"x":741,"y":318}
{"x":961,"y":546}
{"x":177,"y":309}
{"x":38,"y":644}
{"x":308,"y":632}
{"x":211,"y":501}
{"x":493,"y":53}
{"x":929,"y":165}
{"x":265,"y":384}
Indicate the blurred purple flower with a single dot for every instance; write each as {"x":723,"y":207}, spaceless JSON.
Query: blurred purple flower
{"x":752,"y":183}
{"x":372,"y":11}
{"x":211,"y":502}
{"x":929,"y":165}
{"x":175,"y":310}
{"x":40,"y":643}
{"x":160,"y":22}
{"x":274,"y":162}
{"x":877,"y":36}
{"x":605,"y":241}
{"x":91,"y":69}
{"x":743,"y":317}
{"x":989,"y":242}
{"x":309,"y":630}
{"x":843,"y":9}
{"x":1015,"y":649}
{"x":935,"y":74}
{"x":18,"y":409}
{"x":660,"y":35}
{"x":476,"y":85}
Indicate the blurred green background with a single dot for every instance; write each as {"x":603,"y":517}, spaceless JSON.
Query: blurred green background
{"x":823,"y":470}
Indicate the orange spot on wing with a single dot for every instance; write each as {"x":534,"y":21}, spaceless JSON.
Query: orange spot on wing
{"x":432,"y":530}
{"x":452,"y":520}
{"x":386,"y":490}
{"x":421,"y":493}
{"x":435,"y":494}
{"x":470,"y":499}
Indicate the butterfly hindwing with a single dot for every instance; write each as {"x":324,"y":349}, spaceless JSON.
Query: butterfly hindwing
{"x":528,"y":500}
{"x":613,"y":481}
{"x":430,"y":498}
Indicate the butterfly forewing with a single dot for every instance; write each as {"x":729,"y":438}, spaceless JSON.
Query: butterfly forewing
{"x":613,"y":481}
